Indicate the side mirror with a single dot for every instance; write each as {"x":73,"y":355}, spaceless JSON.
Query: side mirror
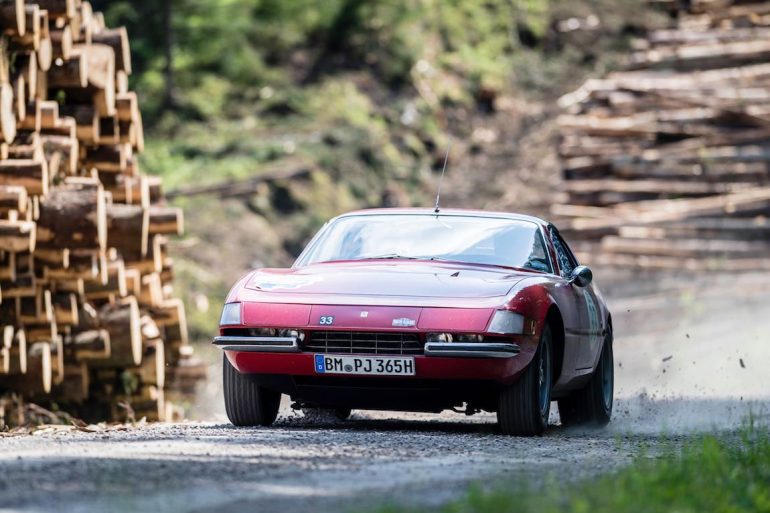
{"x":581,"y":276}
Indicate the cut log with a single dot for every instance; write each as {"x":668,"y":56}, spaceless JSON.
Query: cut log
{"x":87,"y":121}
{"x":166,"y":220}
{"x":121,"y":82}
{"x":91,"y":345}
{"x":122,"y":322}
{"x":65,"y":307}
{"x":41,"y":332}
{"x":80,"y":264}
{"x":128,"y":228}
{"x":70,"y":74}
{"x":113,"y":289}
{"x":117,"y":39}
{"x":31,"y":121}
{"x":18,"y":353}
{"x":109,"y":159}
{"x":32,"y":28}
{"x":133,"y":281}
{"x":109,"y":131}
{"x":58,"y":8}
{"x":30,"y":174}
{"x":13,"y":18}
{"x":84,"y":22}
{"x":26,"y":146}
{"x":19,"y":86}
{"x":16,"y":236}
{"x":62,"y":44}
{"x":13,"y":197}
{"x":65,"y":146}
{"x":49,"y":114}
{"x":127,"y":106}
{"x":151,"y":292}
{"x":39,"y":376}
{"x":7,"y":113}
{"x":152,"y":370}
{"x":73,"y":216}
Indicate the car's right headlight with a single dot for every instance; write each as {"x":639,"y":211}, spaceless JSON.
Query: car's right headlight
{"x":231,"y":314}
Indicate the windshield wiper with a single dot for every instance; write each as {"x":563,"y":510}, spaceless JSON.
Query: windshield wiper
{"x":389,"y":256}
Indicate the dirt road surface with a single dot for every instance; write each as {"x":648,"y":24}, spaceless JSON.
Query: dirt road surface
{"x":293,"y":467}
{"x":691,"y":358}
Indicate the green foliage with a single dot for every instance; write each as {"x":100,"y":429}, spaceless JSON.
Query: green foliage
{"x":713,"y":475}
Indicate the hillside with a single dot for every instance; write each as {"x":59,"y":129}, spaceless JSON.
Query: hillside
{"x":360,"y":97}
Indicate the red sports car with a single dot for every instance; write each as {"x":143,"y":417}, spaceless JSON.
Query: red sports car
{"x":419,"y":310}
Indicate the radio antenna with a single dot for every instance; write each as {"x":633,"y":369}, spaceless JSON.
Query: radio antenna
{"x":441,"y":179}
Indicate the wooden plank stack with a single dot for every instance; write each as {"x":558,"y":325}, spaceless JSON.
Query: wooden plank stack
{"x":667,"y":164}
{"x":87,"y":313}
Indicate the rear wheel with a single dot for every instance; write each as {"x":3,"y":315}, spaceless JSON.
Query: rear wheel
{"x":592,"y":405}
{"x":246,"y":403}
{"x":523,"y":407}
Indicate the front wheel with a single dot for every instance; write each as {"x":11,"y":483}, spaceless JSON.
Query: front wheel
{"x":524,"y":407}
{"x":247,"y":403}
{"x":592,"y":405}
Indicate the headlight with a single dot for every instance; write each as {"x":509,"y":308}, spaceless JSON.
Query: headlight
{"x":438,"y":337}
{"x":231,"y":314}
{"x":511,"y":323}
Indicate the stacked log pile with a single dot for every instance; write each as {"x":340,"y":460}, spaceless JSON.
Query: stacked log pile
{"x":667,"y":164}
{"x":87,"y":313}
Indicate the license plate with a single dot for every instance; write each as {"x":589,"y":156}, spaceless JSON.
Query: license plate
{"x":365,"y":365}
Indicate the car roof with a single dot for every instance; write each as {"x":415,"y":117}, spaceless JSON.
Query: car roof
{"x":446,"y":212}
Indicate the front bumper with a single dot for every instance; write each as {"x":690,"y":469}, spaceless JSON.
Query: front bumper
{"x":432,"y":349}
{"x":500,"y":370}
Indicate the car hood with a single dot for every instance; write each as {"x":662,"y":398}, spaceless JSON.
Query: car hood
{"x":383,"y":279}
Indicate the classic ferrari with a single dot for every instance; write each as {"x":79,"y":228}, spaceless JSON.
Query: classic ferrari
{"x":423,"y":310}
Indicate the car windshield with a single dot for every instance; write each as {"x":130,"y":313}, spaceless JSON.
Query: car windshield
{"x":476,"y":240}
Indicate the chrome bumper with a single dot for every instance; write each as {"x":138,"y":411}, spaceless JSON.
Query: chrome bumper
{"x":258,"y":344}
{"x":472,"y":350}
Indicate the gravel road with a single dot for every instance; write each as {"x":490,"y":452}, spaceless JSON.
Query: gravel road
{"x":690,"y":358}
{"x":296,"y":466}
{"x":310,"y":466}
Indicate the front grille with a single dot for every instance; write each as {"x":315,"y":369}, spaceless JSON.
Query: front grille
{"x":356,"y":342}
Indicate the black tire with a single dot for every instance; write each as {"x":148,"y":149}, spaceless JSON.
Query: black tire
{"x":246,"y":403}
{"x":592,"y":405}
{"x":524,"y":407}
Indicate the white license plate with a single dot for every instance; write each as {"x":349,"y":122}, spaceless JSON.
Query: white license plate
{"x":366,"y":365}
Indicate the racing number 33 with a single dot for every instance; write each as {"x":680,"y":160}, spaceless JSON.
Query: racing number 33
{"x":326,"y":320}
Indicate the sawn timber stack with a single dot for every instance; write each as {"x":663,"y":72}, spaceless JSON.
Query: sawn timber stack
{"x":667,"y":164}
{"x":88,"y":319}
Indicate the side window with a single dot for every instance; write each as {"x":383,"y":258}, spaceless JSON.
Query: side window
{"x":567,"y":262}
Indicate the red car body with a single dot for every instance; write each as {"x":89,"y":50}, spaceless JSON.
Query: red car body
{"x":370,"y":296}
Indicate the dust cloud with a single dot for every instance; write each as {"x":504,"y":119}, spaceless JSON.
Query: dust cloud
{"x":691,"y":350}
